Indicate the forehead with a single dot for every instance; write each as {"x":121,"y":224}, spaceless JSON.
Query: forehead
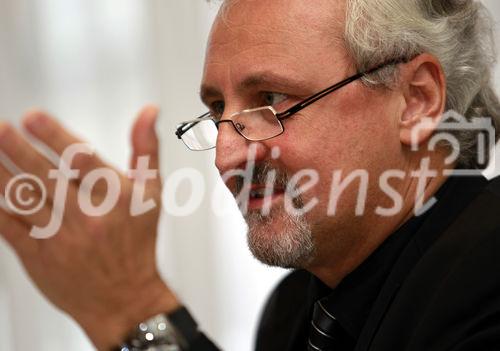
{"x":269,"y":35}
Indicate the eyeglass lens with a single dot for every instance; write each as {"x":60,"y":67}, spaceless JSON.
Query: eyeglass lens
{"x":254,"y":125}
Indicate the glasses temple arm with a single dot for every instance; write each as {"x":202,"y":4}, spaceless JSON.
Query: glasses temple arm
{"x":312,"y":99}
{"x":185,"y":126}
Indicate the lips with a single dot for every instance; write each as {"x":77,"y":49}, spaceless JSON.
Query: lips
{"x":258,"y":193}
{"x":261,"y":189}
{"x":258,"y":197}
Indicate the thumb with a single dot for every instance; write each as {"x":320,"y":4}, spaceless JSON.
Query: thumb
{"x":144,"y":138}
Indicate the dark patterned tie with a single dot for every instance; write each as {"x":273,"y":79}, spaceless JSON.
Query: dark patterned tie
{"x":326,"y":334}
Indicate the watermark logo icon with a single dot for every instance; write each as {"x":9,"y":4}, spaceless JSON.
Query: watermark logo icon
{"x":18,"y":198}
{"x":452,"y":125}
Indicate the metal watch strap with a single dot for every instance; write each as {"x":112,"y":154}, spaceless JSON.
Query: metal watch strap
{"x":173,"y":332}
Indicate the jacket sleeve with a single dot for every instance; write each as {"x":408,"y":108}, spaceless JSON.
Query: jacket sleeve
{"x":202,"y":343}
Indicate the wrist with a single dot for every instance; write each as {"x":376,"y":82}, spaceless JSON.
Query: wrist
{"x":112,"y":326}
{"x":174,"y":331}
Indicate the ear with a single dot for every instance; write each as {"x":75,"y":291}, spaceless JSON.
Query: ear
{"x":424,"y":90}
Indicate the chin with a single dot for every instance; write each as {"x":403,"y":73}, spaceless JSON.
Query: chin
{"x":280,"y":239}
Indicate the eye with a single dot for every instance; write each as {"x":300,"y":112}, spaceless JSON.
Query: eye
{"x":217,"y":109}
{"x":273,"y":99}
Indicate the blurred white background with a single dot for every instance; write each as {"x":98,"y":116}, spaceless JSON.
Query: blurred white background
{"x":93,"y":64}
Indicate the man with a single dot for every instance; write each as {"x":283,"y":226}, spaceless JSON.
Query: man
{"x":408,"y":263}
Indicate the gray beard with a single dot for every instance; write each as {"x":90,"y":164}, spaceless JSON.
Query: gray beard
{"x":292,"y":247}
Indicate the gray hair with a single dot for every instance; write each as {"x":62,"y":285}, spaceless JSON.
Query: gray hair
{"x":459,"y":33}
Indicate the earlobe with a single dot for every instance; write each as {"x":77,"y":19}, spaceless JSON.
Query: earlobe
{"x":418,"y":130}
{"x":424,"y":92}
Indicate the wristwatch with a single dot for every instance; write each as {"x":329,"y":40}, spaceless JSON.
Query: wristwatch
{"x":175,"y":331}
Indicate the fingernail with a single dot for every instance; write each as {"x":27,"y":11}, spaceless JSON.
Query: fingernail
{"x":154,"y":113}
{"x":35,"y":122}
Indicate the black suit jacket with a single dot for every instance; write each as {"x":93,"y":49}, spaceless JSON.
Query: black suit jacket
{"x":451,"y":298}
{"x":442,"y":294}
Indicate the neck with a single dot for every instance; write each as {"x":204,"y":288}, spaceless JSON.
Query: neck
{"x":368,"y":232}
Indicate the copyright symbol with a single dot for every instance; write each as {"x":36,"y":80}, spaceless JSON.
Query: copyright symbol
{"x":15,"y":189}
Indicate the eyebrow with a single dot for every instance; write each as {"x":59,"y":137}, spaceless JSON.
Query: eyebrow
{"x":277,"y":81}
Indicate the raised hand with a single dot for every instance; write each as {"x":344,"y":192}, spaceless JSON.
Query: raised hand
{"x":100,"y":269}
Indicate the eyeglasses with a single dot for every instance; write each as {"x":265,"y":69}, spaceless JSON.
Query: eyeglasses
{"x":256,"y":124}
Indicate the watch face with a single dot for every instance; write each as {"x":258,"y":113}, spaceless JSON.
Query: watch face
{"x":156,"y":334}
{"x":152,"y":348}
{"x":173,"y":332}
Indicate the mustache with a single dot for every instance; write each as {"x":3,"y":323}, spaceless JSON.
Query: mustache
{"x":260,"y":175}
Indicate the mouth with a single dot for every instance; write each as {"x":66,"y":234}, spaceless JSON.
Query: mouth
{"x":259,"y":196}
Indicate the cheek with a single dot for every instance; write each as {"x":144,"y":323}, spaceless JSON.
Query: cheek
{"x":301,"y":150}
{"x":346,"y":140}
{"x":360,"y":133}
{"x":316,"y":142}
{"x":308,"y":141}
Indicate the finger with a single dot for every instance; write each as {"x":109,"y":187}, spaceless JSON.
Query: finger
{"x":144,"y":138}
{"x":56,"y":137}
{"x":17,"y":235}
{"x":23,"y":199}
{"x":25,"y":157}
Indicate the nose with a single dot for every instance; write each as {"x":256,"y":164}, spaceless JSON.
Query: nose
{"x":232,"y":149}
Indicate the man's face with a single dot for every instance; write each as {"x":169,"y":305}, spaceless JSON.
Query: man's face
{"x":278,"y":53}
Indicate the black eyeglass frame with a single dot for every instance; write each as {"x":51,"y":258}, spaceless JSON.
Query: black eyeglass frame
{"x":185,"y":126}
